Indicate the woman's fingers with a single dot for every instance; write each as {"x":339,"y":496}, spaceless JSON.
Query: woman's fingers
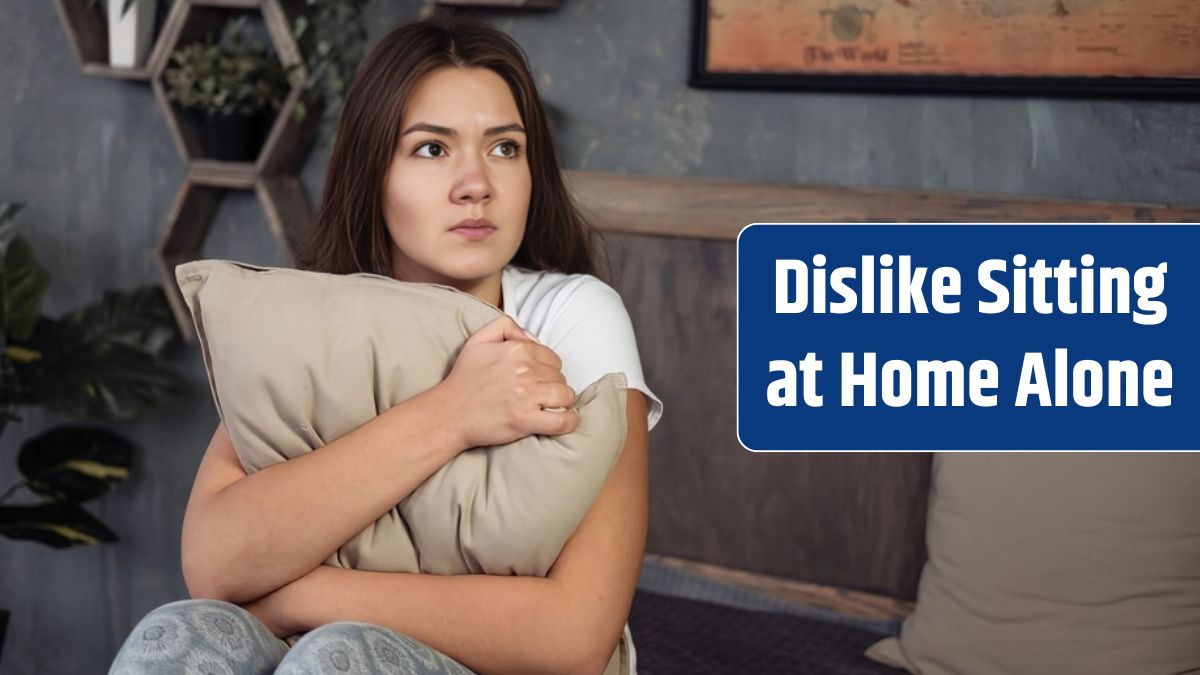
{"x":546,"y":423}
{"x":501,"y":329}
{"x":546,"y":373}
{"x":553,"y":396}
{"x":531,"y":353}
{"x":512,"y":381}
{"x":543,"y":354}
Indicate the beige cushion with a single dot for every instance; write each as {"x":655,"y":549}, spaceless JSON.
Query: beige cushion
{"x":297,"y":359}
{"x":1057,"y":564}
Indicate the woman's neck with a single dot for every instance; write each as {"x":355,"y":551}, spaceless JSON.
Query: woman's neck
{"x":489,"y":290}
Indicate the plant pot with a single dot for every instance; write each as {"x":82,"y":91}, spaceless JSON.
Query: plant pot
{"x":231,"y":138}
{"x":130,"y":34}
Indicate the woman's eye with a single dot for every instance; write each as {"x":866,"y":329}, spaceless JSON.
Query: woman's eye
{"x":430,"y":150}
{"x":507,"y":149}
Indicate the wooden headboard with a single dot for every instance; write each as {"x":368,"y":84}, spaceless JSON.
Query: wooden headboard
{"x":849,"y":520}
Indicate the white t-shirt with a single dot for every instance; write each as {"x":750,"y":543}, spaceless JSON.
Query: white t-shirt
{"x":584,"y":321}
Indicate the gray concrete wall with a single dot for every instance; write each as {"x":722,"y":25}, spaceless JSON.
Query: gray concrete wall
{"x":93,"y":160}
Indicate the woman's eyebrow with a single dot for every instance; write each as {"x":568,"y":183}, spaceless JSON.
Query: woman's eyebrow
{"x":447,"y":131}
{"x":504,"y":129}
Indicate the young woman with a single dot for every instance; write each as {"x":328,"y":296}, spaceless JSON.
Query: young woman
{"x":444,"y":171}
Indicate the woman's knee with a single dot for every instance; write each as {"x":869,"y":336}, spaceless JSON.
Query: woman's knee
{"x":187,"y":630}
{"x":351,"y":647}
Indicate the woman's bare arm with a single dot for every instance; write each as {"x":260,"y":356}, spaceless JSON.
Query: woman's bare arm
{"x":568,"y":622}
{"x":244,"y":536}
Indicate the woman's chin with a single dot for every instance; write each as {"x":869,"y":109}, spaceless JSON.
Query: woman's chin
{"x":473,"y":266}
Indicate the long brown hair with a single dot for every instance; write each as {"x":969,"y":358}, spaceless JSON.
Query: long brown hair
{"x":351,"y":235}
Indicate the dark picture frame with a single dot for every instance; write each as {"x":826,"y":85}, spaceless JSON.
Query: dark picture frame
{"x":702,"y":76}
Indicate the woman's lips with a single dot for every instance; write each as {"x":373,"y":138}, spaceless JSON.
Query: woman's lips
{"x":475,"y":228}
{"x":474,"y":233}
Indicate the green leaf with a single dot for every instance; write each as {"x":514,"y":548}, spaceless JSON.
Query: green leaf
{"x":8,"y":217}
{"x":75,"y":463}
{"x":140,"y":318}
{"x":83,"y":374}
{"x":55,"y":524}
{"x":227,"y":77}
{"x":24,"y":285}
{"x":12,"y":391}
{"x":23,"y":282}
{"x":8,"y":232}
{"x":21,"y":354}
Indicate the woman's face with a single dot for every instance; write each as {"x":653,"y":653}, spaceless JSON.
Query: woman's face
{"x":457,"y":192}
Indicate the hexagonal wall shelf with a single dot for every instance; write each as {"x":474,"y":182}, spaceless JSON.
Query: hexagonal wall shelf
{"x":87,"y":33}
{"x":272,"y":175}
{"x":289,"y":141}
{"x":288,"y":212}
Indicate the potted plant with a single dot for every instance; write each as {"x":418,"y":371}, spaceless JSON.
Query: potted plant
{"x":101,"y":362}
{"x":229,"y":90}
{"x":130,"y":31}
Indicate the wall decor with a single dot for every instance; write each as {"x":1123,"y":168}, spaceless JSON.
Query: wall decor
{"x":317,"y":43}
{"x":229,"y":91}
{"x":272,"y":173}
{"x":1057,"y":47}
{"x":130,"y":32}
{"x":112,"y":39}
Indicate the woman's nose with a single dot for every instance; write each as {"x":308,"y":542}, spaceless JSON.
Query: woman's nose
{"x":473,"y":184}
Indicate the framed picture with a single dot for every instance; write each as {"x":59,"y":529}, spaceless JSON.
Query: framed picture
{"x":1057,"y":47}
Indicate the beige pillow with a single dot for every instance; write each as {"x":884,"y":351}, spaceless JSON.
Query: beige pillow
{"x":297,"y":359}
{"x":1057,"y":564}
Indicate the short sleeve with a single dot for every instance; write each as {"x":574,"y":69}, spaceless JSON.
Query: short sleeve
{"x":593,"y":336}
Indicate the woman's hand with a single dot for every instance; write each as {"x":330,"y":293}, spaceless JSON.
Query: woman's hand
{"x":503,"y":381}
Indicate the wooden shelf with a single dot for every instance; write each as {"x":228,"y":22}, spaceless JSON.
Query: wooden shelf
{"x":272,"y":175}
{"x":286,"y":207}
{"x":289,"y":142}
{"x":215,"y":173}
{"x":105,"y":70}
{"x":87,"y":33}
{"x":719,"y":209}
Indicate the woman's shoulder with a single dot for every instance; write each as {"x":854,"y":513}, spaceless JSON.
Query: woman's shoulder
{"x":526,"y":288}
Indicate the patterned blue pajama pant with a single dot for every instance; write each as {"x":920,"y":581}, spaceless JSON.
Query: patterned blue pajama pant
{"x":210,"y":637}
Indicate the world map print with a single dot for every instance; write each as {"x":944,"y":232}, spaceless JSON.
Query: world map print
{"x":1135,"y":38}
